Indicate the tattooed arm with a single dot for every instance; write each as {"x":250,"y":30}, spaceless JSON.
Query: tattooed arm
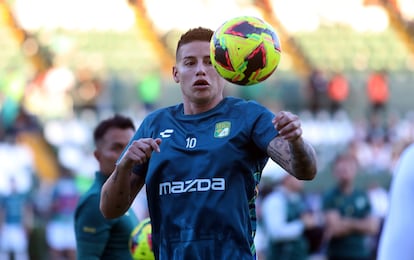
{"x":121,"y":188}
{"x":289,"y":150}
{"x":119,"y":191}
{"x":297,"y":158}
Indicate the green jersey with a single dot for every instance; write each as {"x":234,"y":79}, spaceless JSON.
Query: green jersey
{"x":96,"y":236}
{"x":353,"y":205}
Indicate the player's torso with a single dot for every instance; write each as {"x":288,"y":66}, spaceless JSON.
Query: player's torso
{"x":355,"y":204}
{"x":199,"y":157}
{"x":200,"y":184}
{"x":114,"y":233}
{"x":120,"y":234}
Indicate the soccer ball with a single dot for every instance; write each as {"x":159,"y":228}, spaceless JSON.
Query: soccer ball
{"x":245,"y":50}
{"x":140,"y":243}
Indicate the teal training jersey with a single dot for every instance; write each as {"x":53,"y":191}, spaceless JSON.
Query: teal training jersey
{"x":96,"y":236}
{"x":13,"y":206}
{"x":202,"y":186}
{"x":353,"y":205}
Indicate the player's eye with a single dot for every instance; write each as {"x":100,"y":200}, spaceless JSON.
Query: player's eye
{"x":189,"y":63}
{"x":117,"y":147}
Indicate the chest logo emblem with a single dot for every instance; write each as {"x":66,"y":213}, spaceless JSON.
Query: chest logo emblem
{"x":222,"y":129}
{"x":166,"y":133}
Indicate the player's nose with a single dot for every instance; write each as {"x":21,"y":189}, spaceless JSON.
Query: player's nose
{"x":201,"y":69}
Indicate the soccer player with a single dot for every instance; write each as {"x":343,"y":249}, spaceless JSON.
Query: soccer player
{"x":349,"y":221}
{"x":16,"y":219}
{"x":286,"y":218}
{"x":96,"y":236}
{"x":201,"y":161}
{"x":396,"y":240}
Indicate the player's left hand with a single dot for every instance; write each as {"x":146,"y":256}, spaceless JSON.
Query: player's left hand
{"x":288,"y":125}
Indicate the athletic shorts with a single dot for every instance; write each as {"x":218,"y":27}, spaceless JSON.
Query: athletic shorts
{"x":13,"y":238}
{"x":61,"y":235}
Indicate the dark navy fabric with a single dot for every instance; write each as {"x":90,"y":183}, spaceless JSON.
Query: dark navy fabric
{"x":202,"y":186}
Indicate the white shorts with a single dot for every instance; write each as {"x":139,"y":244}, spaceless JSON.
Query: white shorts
{"x":13,"y":238}
{"x":61,"y":236}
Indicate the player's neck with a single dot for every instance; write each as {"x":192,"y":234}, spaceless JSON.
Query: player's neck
{"x":192,"y":108}
{"x":347,"y":188}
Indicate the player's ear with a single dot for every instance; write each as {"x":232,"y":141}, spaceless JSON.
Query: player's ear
{"x":96,"y":154}
{"x":175,"y":74}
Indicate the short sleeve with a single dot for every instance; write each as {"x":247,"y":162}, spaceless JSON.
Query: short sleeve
{"x":92,"y":229}
{"x":263,"y":130}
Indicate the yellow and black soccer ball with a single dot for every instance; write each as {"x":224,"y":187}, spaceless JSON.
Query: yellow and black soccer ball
{"x":245,"y":50}
{"x":140,"y":242}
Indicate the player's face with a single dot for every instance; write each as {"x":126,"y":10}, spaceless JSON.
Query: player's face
{"x":200,"y":83}
{"x":345,"y":171}
{"x":110,"y":148}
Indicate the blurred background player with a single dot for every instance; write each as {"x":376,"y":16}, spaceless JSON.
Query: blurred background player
{"x":396,"y":240}
{"x":16,"y":220}
{"x":317,"y":88}
{"x":285,"y":219}
{"x":96,"y":236}
{"x":338,"y":92}
{"x":378,"y":93}
{"x":349,"y":222}
{"x":60,"y":235}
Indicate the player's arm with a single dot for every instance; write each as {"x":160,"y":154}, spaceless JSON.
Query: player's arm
{"x":278,"y":228}
{"x":2,"y":212}
{"x":333,"y":225}
{"x":341,"y":226}
{"x":121,"y":188}
{"x":290,"y":150}
{"x":92,"y":230}
{"x":397,"y":236}
{"x":119,"y":191}
{"x":368,"y":225}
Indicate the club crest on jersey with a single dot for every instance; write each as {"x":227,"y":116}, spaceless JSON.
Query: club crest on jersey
{"x":222,"y":129}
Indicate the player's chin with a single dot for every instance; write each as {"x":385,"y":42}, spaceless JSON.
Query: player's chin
{"x":202,"y":92}
{"x":201,"y":87}
{"x":202,"y":97}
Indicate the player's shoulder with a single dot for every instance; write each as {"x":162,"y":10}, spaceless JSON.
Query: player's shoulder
{"x":408,"y":152}
{"x":89,"y":200}
{"x":331,"y":193}
{"x":403,"y":170}
{"x":163,"y":112}
{"x":251,"y":106}
{"x":242,"y":102}
{"x":360,"y":193}
{"x":276,"y":196}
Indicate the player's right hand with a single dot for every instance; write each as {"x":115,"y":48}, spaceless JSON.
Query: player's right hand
{"x":139,"y":151}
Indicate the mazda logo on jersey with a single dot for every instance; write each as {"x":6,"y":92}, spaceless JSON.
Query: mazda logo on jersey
{"x":195,"y":185}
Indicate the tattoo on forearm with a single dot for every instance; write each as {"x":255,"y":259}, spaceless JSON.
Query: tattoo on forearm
{"x":277,"y":151}
{"x":298,"y":159}
{"x":303,"y":160}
